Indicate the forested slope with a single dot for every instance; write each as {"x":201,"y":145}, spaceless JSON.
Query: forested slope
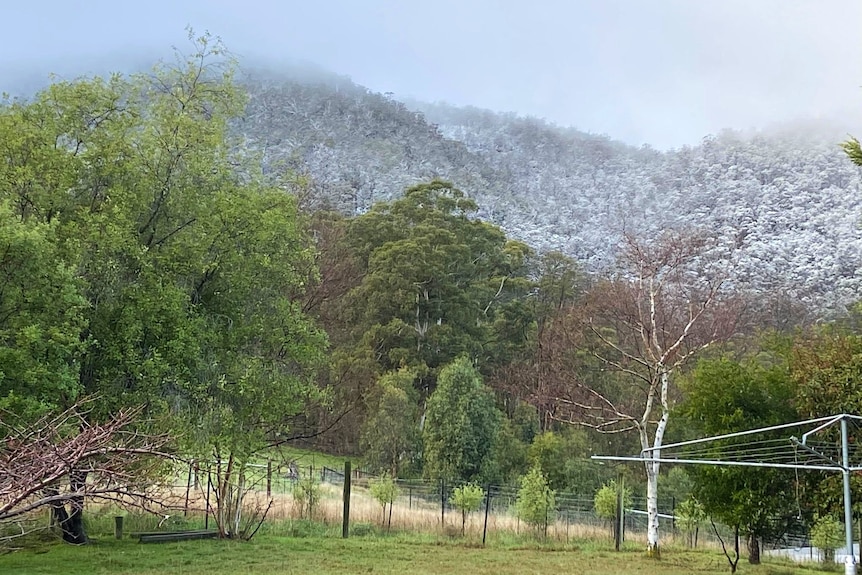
{"x":788,"y":202}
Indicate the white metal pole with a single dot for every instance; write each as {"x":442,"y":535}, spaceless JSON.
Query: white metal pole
{"x":850,"y":559}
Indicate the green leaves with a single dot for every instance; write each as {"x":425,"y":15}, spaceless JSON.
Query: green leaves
{"x":390,"y":436}
{"x":41,"y":316}
{"x":164,"y":271}
{"x":461,"y":425}
{"x":536,"y":501}
{"x":605,"y":499}
{"x":434,"y":279}
{"x":724,"y":396}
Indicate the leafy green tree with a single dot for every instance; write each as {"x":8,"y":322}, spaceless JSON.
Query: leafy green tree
{"x":41,"y":317}
{"x":547,"y":452}
{"x":466,"y":498}
{"x":724,"y":396}
{"x":536,"y":501}
{"x":434,"y":279}
{"x":385,"y":491}
{"x":461,"y":423}
{"x":390,"y":436}
{"x":190,"y":267}
{"x":508,"y":459}
{"x":826,"y":365}
{"x":605,"y":500}
{"x":690,"y":514}
{"x":827,"y":534}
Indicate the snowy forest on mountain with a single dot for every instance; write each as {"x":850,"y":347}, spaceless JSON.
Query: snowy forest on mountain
{"x":785,"y":201}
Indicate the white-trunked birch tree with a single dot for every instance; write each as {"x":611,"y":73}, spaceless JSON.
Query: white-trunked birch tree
{"x":669,"y":300}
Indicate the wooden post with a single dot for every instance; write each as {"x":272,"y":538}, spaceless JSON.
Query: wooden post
{"x":487,"y":506}
{"x":188,"y":489}
{"x":209,"y":483}
{"x":269,"y":477}
{"x":345,"y":516}
{"x":118,"y":526}
{"x":618,"y":532}
{"x":442,"y":504}
{"x":673,"y":514}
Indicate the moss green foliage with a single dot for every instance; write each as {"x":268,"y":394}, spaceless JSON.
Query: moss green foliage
{"x":385,"y":491}
{"x":466,"y":498}
{"x":605,"y":500}
{"x":853,"y":150}
{"x":827,"y":534}
{"x":390,"y":438}
{"x":460,"y":425}
{"x":536,"y":503}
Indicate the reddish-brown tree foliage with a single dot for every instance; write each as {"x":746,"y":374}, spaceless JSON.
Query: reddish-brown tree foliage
{"x":669,"y":301}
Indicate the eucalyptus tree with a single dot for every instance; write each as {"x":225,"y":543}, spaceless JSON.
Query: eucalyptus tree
{"x":461,"y":425}
{"x":435,"y":280}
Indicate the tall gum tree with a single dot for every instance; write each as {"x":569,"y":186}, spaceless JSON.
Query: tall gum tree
{"x":435,"y":280}
{"x":639,"y":328}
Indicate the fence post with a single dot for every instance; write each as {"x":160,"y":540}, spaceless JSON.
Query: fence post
{"x":269,"y":477}
{"x":618,"y":521}
{"x":345,"y":516}
{"x":209,"y":483}
{"x":118,"y":526}
{"x":487,"y":506}
{"x":410,"y":497}
{"x":442,"y":504}
{"x":673,"y":514}
{"x":188,"y":488}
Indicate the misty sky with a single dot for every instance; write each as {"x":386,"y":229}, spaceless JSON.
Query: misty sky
{"x":663,"y":72}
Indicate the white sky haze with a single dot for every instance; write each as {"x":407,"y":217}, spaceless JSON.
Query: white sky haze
{"x":662,"y":72}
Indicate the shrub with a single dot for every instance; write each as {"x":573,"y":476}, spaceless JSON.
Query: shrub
{"x":306,"y":495}
{"x":466,"y":498}
{"x":605,"y":500}
{"x":827,"y":534}
{"x":689,"y":515}
{"x":385,"y":491}
{"x":536,"y":500}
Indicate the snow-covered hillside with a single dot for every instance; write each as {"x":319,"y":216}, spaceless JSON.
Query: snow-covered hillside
{"x":789,"y":201}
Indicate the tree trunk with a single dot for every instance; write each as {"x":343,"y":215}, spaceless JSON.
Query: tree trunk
{"x":652,"y":467}
{"x":72,"y":522}
{"x":753,"y":549}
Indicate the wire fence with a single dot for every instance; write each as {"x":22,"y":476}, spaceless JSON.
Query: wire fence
{"x":425,"y":506}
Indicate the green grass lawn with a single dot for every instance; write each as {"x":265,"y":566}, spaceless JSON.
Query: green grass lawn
{"x":383,"y":555}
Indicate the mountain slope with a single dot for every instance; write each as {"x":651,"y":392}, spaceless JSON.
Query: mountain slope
{"x":789,"y":202}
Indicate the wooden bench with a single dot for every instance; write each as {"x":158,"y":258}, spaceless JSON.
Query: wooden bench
{"x":168,"y":536}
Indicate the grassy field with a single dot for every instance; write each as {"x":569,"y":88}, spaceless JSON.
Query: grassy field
{"x":409,"y":555}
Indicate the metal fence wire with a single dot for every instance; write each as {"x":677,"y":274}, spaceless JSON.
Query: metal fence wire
{"x":426,"y":506}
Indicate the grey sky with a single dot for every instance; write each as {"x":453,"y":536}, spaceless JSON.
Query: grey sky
{"x":663,"y":72}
